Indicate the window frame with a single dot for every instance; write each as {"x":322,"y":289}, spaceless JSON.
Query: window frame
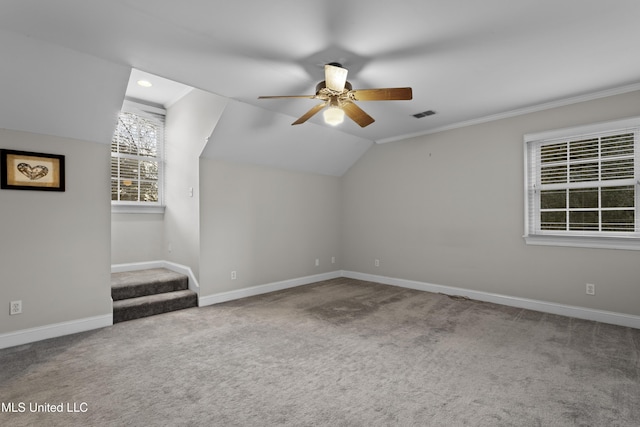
{"x":533,"y":235}
{"x":156,"y":115}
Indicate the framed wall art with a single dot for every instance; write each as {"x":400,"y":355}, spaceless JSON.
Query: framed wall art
{"x":23,"y":170}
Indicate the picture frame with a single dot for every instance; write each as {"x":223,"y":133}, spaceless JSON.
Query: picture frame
{"x":25,"y":170}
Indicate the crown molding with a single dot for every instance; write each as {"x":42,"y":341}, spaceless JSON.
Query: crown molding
{"x":519,"y":112}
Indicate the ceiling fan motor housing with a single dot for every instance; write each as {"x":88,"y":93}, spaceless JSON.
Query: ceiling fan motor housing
{"x":323,"y":85}
{"x":337,"y":94}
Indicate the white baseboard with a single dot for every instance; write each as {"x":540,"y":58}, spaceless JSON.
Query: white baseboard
{"x":178,"y":268}
{"x":135,"y":266}
{"x":27,"y":336}
{"x":266,"y":288}
{"x":610,"y":317}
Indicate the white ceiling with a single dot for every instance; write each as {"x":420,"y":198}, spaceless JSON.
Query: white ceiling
{"x":467,"y":60}
{"x":161,"y":92}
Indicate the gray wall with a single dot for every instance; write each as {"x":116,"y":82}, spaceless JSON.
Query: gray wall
{"x":448,"y":209}
{"x":445,"y":208}
{"x":136,"y":237}
{"x":266,"y":224}
{"x":141,"y":237}
{"x":189,"y":122}
{"x":55,"y":246}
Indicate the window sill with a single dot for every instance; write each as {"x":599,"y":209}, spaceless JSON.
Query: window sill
{"x":625,"y":243}
{"x":137,"y":209}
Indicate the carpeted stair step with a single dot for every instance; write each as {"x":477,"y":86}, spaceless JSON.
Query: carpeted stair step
{"x":149,"y":305}
{"x":133,"y":284}
{"x":149,"y":292}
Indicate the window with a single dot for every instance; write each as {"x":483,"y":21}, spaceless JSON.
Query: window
{"x":136,"y":160}
{"x":582,"y":186}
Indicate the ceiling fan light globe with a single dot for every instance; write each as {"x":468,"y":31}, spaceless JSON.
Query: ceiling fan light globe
{"x":335,"y":77}
{"x":333,"y":116}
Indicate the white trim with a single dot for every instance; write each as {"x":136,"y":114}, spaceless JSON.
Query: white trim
{"x":157,"y":117}
{"x":138,"y":208}
{"x":40,"y":333}
{"x":527,"y":161}
{"x":581,"y":239}
{"x":178,"y":268}
{"x":620,"y":319}
{"x":596,"y":242}
{"x":518,"y":112}
{"x":266,"y":288}
{"x":26,"y":336}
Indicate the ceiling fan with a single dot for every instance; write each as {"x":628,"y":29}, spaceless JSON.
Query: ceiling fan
{"x":337,"y":94}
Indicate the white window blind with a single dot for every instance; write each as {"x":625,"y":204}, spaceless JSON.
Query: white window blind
{"x":584,"y":184}
{"x":137,"y":160}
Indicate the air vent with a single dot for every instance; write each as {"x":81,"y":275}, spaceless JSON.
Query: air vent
{"x":424,"y":114}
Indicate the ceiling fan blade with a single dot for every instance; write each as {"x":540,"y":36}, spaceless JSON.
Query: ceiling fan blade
{"x":306,"y":116}
{"x":287,"y":96}
{"x":357,"y":114}
{"x":335,"y":77}
{"x":383,"y":94}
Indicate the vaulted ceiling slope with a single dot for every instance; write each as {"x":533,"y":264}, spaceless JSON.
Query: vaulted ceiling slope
{"x":53,"y":90}
{"x":66,"y":62}
{"x":252,"y":135}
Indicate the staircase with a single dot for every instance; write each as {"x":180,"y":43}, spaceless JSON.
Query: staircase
{"x":145,"y":293}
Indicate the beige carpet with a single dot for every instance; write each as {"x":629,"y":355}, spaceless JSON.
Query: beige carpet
{"x":336,"y":353}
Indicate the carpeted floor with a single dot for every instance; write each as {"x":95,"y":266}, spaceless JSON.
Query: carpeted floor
{"x":336,"y":353}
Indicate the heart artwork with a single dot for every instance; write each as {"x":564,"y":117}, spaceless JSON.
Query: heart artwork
{"x":33,"y":172}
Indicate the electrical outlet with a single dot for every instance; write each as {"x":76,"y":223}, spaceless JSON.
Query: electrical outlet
{"x":233,"y":275}
{"x":16,"y":307}
{"x":376,"y":263}
{"x":591,"y":289}
{"x":317,"y":262}
{"x":333,"y":260}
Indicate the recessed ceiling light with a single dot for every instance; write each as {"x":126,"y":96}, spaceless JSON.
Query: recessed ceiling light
{"x":144,"y":83}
